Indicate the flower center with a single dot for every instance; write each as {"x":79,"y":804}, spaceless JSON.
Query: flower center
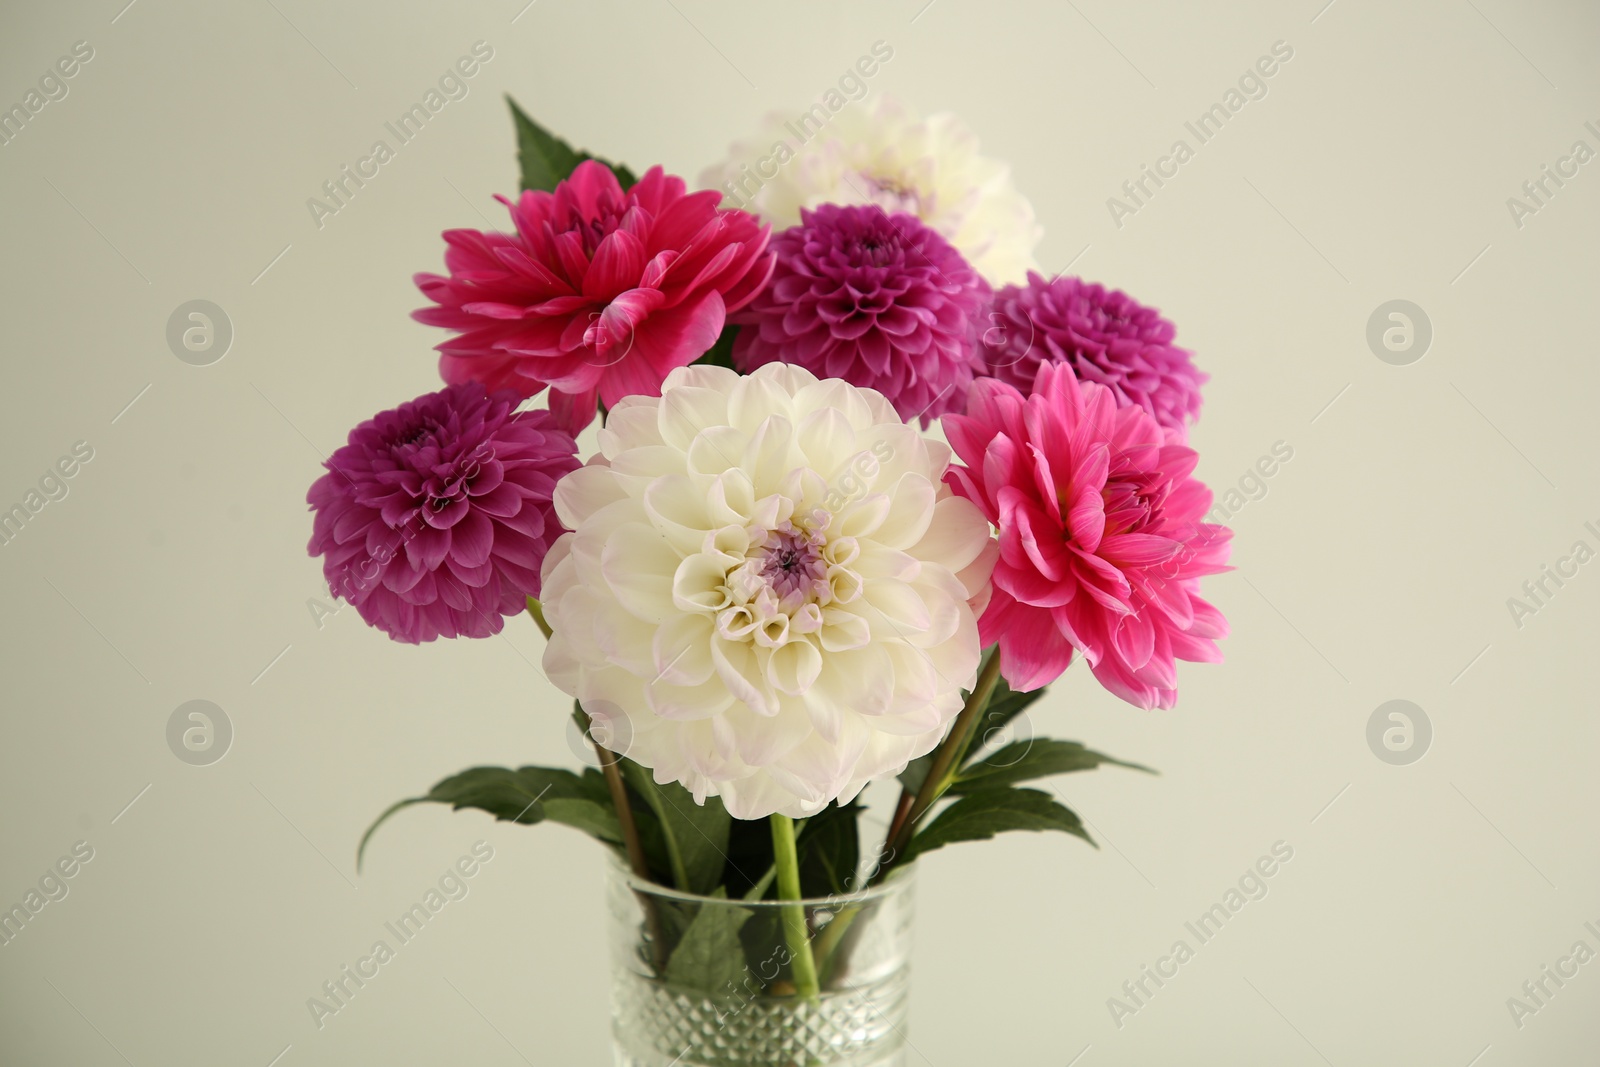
{"x":1131,"y":503}
{"x":879,"y":249}
{"x":593,"y":231}
{"x":892,"y":194}
{"x":419,"y":434}
{"x":792,"y":563}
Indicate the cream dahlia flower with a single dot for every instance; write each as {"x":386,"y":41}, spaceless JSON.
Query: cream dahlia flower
{"x":878,"y":153}
{"x":768,"y":592}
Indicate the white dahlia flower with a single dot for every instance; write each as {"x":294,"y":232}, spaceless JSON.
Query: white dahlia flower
{"x":875,"y":152}
{"x":768,"y":591}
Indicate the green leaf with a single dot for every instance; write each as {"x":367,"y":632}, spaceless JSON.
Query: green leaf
{"x":710,"y":956}
{"x":830,"y":851}
{"x":695,"y":835}
{"x":1023,"y":761}
{"x":526,"y":795}
{"x":1004,"y":705}
{"x":547,"y":160}
{"x":594,"y":817}
{"x":916,"y":772}
{"x":980,"y":816}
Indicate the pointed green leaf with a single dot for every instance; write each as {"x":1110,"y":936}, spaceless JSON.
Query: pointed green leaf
{"x":361,"y":849}
{"x":1023,"y":761}
{"x":625,"y":177}
{"x":982,"y":815}
{"x":547,"y":160}
{"x":526,"y":795}
{"x":709,"y":957}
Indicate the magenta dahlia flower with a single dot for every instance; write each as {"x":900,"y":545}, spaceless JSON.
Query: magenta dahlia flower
{"x":598,"y":294}
{"x":435,"y":519}
{"x":1104,"y":336}
{"x":881,"y":301}
{"x":1102,"y":540}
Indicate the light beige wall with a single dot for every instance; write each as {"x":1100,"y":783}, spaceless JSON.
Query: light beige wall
{"x":1377,"y":567}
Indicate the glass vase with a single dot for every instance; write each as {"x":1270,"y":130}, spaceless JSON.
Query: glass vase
{"x":710,"y":982}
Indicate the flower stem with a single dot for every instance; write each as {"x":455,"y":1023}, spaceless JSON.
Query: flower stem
{"x":946,"y":761}
{"x":631,"y":843}
{"x":634,"y":849}
{"x":803,"y":965}
{"x":537,"y":611}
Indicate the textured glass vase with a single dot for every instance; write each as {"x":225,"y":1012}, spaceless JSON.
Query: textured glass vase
{"x":709,"y":982}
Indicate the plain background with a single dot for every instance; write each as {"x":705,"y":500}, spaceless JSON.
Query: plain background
{"x":1377,"y":566}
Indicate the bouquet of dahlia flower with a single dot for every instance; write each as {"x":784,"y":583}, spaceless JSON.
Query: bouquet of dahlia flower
{"x":772,"y":585}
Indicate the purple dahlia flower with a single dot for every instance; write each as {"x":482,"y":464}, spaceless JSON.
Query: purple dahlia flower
{"x":881,"y":301}
{"x":1102,"y":336}
{"x":435,"y":519}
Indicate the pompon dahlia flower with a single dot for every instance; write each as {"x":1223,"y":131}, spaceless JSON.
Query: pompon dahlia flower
{"x":767,"y":591}
{"x":599,"y":293}
{"x":881,"y":301}
{"x":1104,"y":336}
{"x":877,"y":152}
{"x":1101,"y":537}
{"x":435,"y":518}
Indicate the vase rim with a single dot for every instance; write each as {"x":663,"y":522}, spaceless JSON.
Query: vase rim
{"x":898,"y":880}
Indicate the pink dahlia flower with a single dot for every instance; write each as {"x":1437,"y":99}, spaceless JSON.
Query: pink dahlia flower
{"x":1101,"y":537}
{"x":1104,"y":336}
{"x":599,"y":293}
{"x":435,"y":519}
{"x":881,"y":301}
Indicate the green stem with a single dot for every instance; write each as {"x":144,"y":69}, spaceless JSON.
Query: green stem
{"x":537,"y":611}
{"x":786,"y":858}
{"x":633,"y":847}
{"x":631,"y":843}
{"x":830,"y":947}
{"x":946,"y":762}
